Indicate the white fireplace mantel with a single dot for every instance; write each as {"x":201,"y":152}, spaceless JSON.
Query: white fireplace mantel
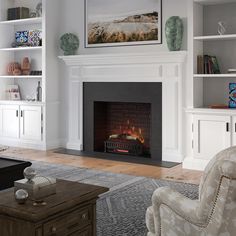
{"x":165,"y":67}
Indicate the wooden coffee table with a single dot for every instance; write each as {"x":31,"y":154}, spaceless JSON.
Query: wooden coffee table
{"x":69,"y":212}
{"x":10,"y":171}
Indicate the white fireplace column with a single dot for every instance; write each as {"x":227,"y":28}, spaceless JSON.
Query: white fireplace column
{"x":167,"y":68}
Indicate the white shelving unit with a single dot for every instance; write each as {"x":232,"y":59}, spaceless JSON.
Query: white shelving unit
{"x":208,"y":130}
{"x":207,"y":41}
{"x":30,"y":129}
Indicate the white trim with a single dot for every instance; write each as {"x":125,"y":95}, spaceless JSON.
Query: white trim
{"x":166,"y":67}
{"x":210,"y":111}
{"x":125,"y":59}
{"x":194,"y":164}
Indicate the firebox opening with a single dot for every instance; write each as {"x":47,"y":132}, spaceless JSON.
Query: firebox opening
{"x":122,"y":128}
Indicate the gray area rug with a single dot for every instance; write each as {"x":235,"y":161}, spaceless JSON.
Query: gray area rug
{"x":121,"y":211}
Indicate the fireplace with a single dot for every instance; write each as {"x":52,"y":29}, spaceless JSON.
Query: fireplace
{"x":123,"y":120}
{"x":122,"y":128}
{"x":164,"y":71}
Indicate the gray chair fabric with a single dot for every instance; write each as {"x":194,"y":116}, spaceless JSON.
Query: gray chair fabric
{"x":213,"y":214}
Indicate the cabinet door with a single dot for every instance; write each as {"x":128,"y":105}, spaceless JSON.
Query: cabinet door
{"x":10,"y":121}
{"x":212,"y":134}
{"x":30,"y":123}
{"x":233,"y":130}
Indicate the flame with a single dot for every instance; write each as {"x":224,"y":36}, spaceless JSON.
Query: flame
{"x":133,"y":132}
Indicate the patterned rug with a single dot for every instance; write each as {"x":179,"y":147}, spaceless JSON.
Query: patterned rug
{"x":121,"y":211}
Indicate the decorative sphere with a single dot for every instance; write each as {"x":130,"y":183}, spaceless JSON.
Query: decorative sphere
{"x":29,"y":173}
{"x":21,"y":196}
{"x":69,"y":43}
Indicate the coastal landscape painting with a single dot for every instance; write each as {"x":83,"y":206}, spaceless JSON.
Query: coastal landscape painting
{"x":123,"y":22}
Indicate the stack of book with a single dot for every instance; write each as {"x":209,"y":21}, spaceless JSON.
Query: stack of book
{"x":207,"y":65}
{"x":17,"y":13}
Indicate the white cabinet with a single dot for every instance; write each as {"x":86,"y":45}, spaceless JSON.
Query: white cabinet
{"x":21,"y":122}
{"x":9,"y":121}
{"x":30,"y":122}
{"x":233,"y":129}
{"x":211,"y":134}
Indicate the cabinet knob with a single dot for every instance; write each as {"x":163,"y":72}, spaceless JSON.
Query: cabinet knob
{"x":84,"y":216}
{"x":54,"y":229}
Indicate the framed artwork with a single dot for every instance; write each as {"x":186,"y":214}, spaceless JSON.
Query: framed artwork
{"x":122,"y":22}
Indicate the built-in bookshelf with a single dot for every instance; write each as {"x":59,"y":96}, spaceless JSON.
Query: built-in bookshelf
{"x":10,"y":54}
{"x":210,"y":88}
{"x":30,"y":129}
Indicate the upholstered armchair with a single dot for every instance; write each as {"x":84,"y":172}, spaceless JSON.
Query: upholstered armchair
{"x":213,"y":214}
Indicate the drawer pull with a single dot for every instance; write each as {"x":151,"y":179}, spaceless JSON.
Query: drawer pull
{"x":84,"y":216}
{"x":54,"y":229}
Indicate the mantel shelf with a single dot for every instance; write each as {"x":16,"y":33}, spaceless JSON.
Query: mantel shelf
{"x":28,"y":21}
{"x":214,"y":75}
{"x":216,"y":37}
{"x":21,"y":49}
{"x":124,"y":58}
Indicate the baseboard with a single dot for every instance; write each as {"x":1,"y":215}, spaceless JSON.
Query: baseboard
{"x":23,"y":144}
{"x":172,"y":157}
{"x":194,"y":164}
{"x":74,"y":146}
{"x":55,"y":144}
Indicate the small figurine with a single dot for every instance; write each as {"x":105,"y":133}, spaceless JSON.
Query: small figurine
{"x":25,"y":67}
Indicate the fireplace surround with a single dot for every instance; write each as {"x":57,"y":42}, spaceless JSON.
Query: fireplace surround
{"x":131,"y":109}
{"x":166,"y":68}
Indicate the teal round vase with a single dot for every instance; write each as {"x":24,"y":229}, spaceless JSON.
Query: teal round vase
{"x":69,"y":44}
{"x":174,"y":30}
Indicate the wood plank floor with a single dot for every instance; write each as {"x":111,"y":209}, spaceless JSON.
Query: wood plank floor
{"x":176,"y":173}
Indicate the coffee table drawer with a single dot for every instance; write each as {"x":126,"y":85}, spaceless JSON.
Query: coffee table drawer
{"x":69,"y":223}
{"x":85,"y":232}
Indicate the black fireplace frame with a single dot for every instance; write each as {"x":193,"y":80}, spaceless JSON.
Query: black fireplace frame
{"x":133,"y":92}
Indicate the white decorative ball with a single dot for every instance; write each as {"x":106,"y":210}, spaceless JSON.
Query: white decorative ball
{"x":29,"y":173}
{"x":21,"y":196}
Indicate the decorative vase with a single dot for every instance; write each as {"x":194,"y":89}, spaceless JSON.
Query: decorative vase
{"x":69,"y":44}
{"x":174,"y":30}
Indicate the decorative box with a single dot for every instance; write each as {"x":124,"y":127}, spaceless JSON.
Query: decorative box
{"x":35,"y":37}
{"x":232,"y":95}
{"x":39,"y":188}
{"x":22,"y":37}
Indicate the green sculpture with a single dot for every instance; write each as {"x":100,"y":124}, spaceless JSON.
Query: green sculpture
{"x":174,"y":33}
{"x":69,"y":44}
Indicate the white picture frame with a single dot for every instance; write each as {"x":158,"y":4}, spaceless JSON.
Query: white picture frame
{"x":122,"y":23}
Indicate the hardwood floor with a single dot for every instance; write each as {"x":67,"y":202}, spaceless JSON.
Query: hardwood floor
{"x":176,"y":173}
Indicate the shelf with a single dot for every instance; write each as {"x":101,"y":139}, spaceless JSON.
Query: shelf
{"x":206,"y":110}
{"x":214,"y":75}
{"x":21,"y":49}
{"x":21,"y":77}
{"x":216,"y":37}
{"x":21,"y":102}
{"x":213,"y":2}
{"x":28,"y":21}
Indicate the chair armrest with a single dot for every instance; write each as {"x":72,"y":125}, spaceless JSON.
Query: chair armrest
{"x":228,"y":168}
{"x":181,"y":205}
